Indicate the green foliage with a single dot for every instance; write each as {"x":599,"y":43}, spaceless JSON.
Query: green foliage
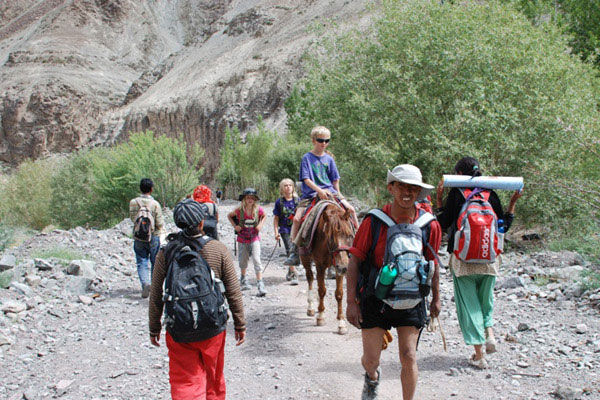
{"x":94,"y":187}
{"x":72,"y":194}
{"x":579,"y":19}
{"x":27,"y":194}
{"x":66,"y":254}
{"x":590,"y":279}
{"x":431,"y":83}
{"x":285,"y":160}
{"x":5,"y":237}
{"x":244,"y":163}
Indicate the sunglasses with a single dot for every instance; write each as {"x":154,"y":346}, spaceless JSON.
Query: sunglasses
{"x":322,"y":140}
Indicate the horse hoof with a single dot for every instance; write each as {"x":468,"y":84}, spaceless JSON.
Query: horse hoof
{"x":342,"y":330}
{"x":310,"y":313}
{"x":320,"y":321}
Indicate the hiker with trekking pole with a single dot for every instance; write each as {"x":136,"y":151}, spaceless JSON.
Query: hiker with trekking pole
{"x":248,"y":220}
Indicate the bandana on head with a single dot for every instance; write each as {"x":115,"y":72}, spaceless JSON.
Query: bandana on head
{"x":202,"y":194}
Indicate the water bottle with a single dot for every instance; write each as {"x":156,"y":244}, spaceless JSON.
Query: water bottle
{"x":501,"y":229}
{"x":385,"y":281}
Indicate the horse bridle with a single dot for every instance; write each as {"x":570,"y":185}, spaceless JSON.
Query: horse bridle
{"x":337,"y":250}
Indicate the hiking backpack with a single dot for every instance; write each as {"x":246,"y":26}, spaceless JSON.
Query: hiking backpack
{"x":195,"y":308}
{"x":476,"y":239}
{"x":144,"y":223}
{"x":404,"y":250}
{"x":285,"y":219}
{"x":210,"y":220}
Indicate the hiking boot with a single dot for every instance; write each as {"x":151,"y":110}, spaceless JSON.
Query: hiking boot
{"x":244,"y":285}
{"x":294,"y":258}
{"x":261,"y":288}
{"x":294,"y":279}
{"x":370,"y":388}
{"x":145,"y":291}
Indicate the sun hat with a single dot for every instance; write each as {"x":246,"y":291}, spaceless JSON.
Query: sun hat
{"x":188,"y":213}
{"x":410,"y":175}
{"x":249,"y":192}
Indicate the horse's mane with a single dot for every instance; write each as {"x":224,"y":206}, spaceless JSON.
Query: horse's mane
{"x":336,"y":224}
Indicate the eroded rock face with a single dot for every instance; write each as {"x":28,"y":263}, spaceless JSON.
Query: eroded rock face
{"x":89,"y":72}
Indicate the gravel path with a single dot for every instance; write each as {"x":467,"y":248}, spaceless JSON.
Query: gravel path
{"x":60,"y":346}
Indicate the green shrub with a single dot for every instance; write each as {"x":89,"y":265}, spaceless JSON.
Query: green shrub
{"x":431,"y":83}
{"x":66,"y":254}
{"x":72,"y":194}
{"x":285,"y":161}
{"x":27,"y":195}
{"x":244,"y":163}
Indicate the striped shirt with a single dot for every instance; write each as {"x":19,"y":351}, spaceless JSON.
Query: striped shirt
{"x":218,"y":257}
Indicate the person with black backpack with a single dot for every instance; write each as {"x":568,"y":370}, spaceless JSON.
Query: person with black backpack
{"x":477,"y":224}
{"x":198,"y":275}
{"x":202,"y":194}
{"x":392,"y":270}
{"x":146,"y":215}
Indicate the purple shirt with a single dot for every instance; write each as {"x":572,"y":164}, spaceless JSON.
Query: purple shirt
{"x":321,"y":170}
{"x":284,"y":211}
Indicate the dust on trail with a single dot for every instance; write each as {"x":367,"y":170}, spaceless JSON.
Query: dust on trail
{"x":102,"y":351}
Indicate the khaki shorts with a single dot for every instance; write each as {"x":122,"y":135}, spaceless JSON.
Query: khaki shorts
{"x":306,"y":202}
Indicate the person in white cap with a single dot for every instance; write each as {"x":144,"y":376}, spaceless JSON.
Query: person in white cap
{"x":369,"y":313}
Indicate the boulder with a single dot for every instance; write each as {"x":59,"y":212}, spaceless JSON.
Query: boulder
{"x":84,"y":268}
{"x":7,"y":262}
{"x":43,"y":265}
{"x":77,"y":285}
{"x":510,"y":282}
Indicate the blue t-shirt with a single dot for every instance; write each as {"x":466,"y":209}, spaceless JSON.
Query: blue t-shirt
{"x":284,"y":213}
{"x":321,"y":170}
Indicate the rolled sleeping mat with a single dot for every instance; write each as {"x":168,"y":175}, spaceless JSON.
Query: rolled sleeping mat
{"x":485,"y":182}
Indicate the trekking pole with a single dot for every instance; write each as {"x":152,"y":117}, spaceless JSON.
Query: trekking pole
{"x":270,"y":258}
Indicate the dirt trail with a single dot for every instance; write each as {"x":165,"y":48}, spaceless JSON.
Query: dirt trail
{"x":102,"y":351}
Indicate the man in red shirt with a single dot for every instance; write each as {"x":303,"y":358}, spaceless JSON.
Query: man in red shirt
{"x":370,"y":314}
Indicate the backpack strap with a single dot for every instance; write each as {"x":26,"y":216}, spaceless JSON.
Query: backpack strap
{"x":383,"y":217}
{"x":424,"y":219}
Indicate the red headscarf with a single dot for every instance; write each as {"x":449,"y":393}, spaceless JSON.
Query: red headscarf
{"x":202,"y":194}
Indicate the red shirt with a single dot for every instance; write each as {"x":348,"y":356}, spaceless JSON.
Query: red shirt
{"x":364,"y":238}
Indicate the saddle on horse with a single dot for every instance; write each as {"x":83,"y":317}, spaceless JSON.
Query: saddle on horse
{"x":309,"y":225}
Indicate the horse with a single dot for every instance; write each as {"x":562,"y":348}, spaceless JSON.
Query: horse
{"x":330,"y":247}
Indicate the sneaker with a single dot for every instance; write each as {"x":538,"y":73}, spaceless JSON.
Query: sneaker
{"x":490,"y":346}
{"x":370,"y":388}
{"x":244,"y":283}
{"x":261,"y":288}
{"x":294,"y":258}
{"x":481,"y":363}
{"x":294,"y":279}
{"x":288,"y":276}
{"x":145,"y":291}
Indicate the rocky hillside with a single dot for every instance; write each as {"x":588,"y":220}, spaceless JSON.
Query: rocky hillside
{"x":77,"y":73}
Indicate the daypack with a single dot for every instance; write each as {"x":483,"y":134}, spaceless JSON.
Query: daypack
{"x":210,"y":220}
{"x":476,"y":239}
{"x":285,"y":217}
{"x":195,"y":308}
{"x":144,"y":223}
{"x":404,"y":251}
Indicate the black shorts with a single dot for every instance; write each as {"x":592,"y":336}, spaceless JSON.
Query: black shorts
{"x":377,"y":314}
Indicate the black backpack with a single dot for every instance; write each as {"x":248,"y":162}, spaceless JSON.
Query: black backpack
{"x":144,"y":223}
{"x":195,"y":308}
{"x":210,"y":220}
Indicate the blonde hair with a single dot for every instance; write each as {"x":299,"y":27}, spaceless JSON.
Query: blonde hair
{"x":244,"y":207}
{"x":319,"y":130}
{"x":290,"y":182}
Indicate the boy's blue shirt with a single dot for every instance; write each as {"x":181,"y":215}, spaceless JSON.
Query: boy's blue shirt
{"x":319,"y":169}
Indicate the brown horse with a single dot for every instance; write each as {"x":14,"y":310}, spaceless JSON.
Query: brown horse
{"x":330,"y":245}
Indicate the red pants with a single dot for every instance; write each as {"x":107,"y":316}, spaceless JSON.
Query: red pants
{"x":196,"y":369}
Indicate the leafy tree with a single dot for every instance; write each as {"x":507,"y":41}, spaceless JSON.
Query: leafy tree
{"x":430,"y":83}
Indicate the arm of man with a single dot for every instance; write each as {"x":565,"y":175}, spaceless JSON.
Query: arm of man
{"x":435,"y":240}
{"x":133,"y":210}
{"x":233,"y":293}
{"x":159,"y":219}
{"x":353,"y":314}
{"x":155,"y":304}
{"x":336,"y":186}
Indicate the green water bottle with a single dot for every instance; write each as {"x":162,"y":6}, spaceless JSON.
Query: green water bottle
{"x":387,"y":276}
